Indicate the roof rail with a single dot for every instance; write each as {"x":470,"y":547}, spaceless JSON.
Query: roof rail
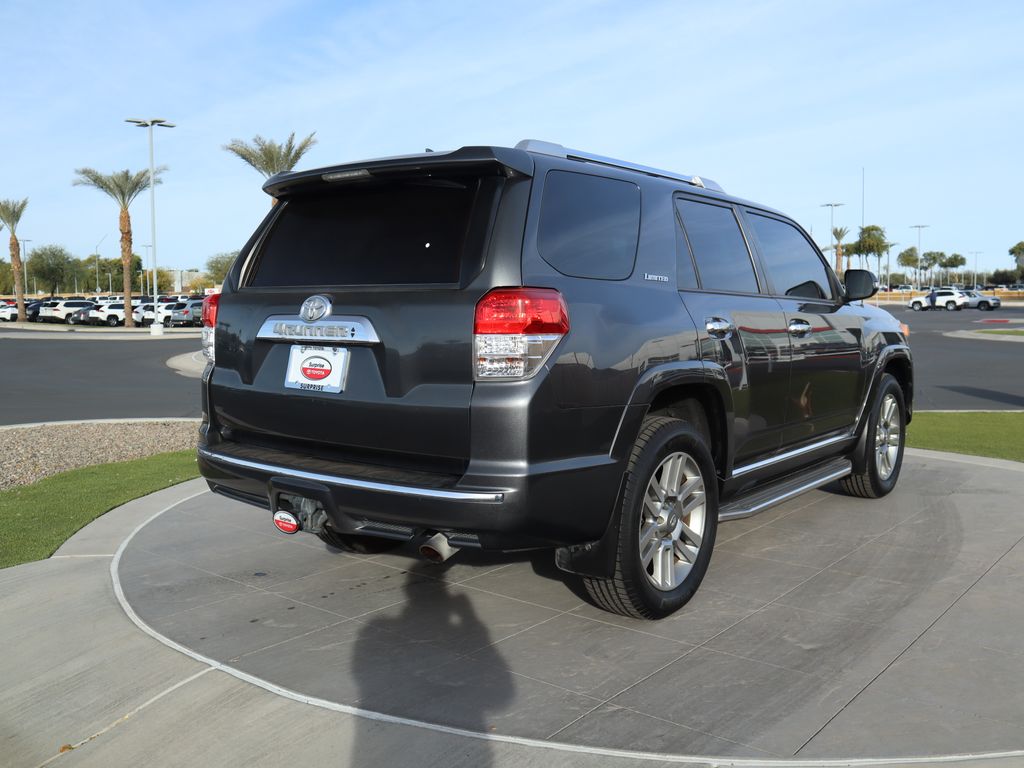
{"x":557,"y":150}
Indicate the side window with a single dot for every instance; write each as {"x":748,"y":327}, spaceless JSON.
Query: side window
{"x":686,"y":273}
{"x":793,"y":264}
{"x":719,"y":250}
{"x":589,"y":225}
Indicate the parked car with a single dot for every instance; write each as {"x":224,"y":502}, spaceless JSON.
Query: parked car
{"x":143,"y":314}
{"x":904,"y":287}
{"x":80,"y":316}
{"x":944,"y":299}
{"x":109,"y":314}
{"x":62,"y":311}
{"x":182,"y":313}
{"x":8,"y":313}
{"x":592,"y":356}
{"x":980,"y":301}
{"x":32,"y":311}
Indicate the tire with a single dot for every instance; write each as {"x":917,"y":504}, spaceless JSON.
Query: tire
{"x":658,"y":581}
{"x":950,"y":306}
{"x":362,"y":545}
{"x":916,"y":306}
{"x":881,"y":468}
{"x":112,"y":321}
{"x":984,"y":306}
{"x":69,"y":319}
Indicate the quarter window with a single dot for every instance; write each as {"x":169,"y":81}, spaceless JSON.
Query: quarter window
{"x":793,"y":265}
{"x":589,"y":225}
{"x":718,"y":248}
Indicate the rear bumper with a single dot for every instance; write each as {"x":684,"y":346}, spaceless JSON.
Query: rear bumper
{"x":548,"y":505}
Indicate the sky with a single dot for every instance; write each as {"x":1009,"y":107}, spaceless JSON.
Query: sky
{"x":790,"y":104}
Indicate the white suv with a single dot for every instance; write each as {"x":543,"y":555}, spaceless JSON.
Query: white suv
{"x":946,"y":298}
{"x":62,"y":311}
{"x":109,"y":314}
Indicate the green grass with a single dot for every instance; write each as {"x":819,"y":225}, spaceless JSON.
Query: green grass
{"x":1004,"y":331}
{"x":999,"y":435}
{"x":36,"y":519}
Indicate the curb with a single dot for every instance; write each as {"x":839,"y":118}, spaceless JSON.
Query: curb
{"x":981,"y":336}
{"x":140,"y":420}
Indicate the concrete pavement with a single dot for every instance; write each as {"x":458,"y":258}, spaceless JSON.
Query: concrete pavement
{"x":833,"y":628}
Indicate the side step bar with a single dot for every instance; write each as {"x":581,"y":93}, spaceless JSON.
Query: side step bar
{"x":763,"y":497}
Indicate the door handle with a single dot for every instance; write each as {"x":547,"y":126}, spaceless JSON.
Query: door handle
{"x":719,"y":328}
{"x":799,"y":328}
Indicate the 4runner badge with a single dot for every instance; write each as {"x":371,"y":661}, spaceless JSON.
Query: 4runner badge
{"x":315,"y":308}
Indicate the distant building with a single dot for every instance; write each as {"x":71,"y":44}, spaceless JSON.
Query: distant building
{"x":183,"y":278}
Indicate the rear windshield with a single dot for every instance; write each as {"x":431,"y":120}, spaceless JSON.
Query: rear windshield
{"x":401,"y":233}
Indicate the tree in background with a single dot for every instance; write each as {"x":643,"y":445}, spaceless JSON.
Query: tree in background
{"x":268,"y":157}
{"x":872,"y":242}
{"x":6,"y":278}
{"x":10,"y":215}
{"x":839,"y":233}
{"x":1017,"y":252}
{"x":952,"y":262}
{"x":930,"y":260}
{"x":122,"y":187}
{"x":217,"y":266}
{"x":51,"y":265}
{"x":1005,"y":276}
{"x":909,"y":259}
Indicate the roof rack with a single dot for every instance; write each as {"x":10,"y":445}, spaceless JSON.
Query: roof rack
{"x":557,"y":150}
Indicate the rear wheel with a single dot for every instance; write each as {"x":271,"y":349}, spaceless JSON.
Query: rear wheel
{"x":112,"y":321}
{"x":362,"y":545}
{"x":984,"y":306}
{"x":69,"y":319}
{"x":950,"y":306}
{"x":916,"y":306}
{"x":667,"y":523}
{"x":883,"y":445}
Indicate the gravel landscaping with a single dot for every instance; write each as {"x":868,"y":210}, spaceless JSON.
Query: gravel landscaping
{"x":32,"y":453}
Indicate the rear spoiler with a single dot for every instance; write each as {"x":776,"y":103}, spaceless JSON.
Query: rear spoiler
{"x":484,"y":160}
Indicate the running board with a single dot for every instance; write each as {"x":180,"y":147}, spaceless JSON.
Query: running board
{"x":762,"y":498}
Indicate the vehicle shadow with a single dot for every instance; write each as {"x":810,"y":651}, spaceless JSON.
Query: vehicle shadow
{"x":992,"y":395}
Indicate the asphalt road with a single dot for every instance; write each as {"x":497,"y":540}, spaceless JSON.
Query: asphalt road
{"x":62,"y":380}
{"x":57,"y":379}
{"x":964,"y":374}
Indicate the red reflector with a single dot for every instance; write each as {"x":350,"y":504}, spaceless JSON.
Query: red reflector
{"x":522,"y":311}
{"x":286,"y":522}
{"x":210,"y":304}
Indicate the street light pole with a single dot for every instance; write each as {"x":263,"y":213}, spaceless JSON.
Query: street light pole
{"x":831,"y":231}
{"x":97,"y":252}
{"x":24,"y":261}
{"x":150,"y":277}
{"x":156,"y":328}
{"x":919,"y":227}
{"x":975,"y":254}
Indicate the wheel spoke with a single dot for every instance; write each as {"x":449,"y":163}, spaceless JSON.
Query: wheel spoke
{"x":691,"y":504}
{"x":655,"y":487}
{"x":670,"y":476}
{"x":691,"y":535}
{"x":685,"y":553}
{"x":647,"y":533}
{"x":666,"y":567}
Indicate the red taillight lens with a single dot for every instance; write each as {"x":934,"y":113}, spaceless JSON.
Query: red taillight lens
{"x":516,"y":330}
{"x":210,"y":304}
{"x":522,"y":311}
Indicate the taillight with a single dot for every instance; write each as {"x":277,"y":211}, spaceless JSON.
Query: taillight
{"x":209,"y":319}
{"x":515,"y":331}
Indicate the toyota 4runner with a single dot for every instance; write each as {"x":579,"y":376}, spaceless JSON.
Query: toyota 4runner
{"x":539,"y":347}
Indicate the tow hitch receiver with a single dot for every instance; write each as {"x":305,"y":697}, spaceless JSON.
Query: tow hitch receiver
{"x":286,"y":522}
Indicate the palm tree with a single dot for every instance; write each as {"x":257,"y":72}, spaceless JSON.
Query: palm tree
{"x":10,"y":214}
{"x":839,"y":233}
{"x":268,"y":157}
{"x":122,"y":187}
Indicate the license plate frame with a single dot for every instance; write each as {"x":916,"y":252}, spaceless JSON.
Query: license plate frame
{"x":317,"y":368}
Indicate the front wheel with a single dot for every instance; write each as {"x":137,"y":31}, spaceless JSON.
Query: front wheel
{"x":950,"y":306}
{"x":916,"y":306}
{"x":883,"y":444}
{"x":667,"y":523}
{"x":983,"y":306}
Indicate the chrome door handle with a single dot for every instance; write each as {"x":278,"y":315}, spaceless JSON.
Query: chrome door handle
{"x":719,"y":328}
{"x":799,"y":328}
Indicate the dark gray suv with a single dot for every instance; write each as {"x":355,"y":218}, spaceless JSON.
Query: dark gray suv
{"x":538,"y":347}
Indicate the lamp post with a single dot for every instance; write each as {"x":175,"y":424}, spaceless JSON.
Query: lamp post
{"x":156,"y":328}
{"x":97,"y":252}
{"x":919,"y":227}
{"x":110,"y":284}
{"x":831,"y":230}
{"x":975,"y":254}
{"x":151,"y":281}
{"x":24,"y":261}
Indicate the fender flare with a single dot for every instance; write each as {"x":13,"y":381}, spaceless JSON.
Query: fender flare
{"x":885,"y":356}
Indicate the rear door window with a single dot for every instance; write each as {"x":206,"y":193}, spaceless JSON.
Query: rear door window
{"x":793,"y":265}
{"x":399,"y":233}
{"x":719,"y":251}
{"x":589,"y":225}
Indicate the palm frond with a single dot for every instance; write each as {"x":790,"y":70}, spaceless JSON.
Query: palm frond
{"x":123,"y":186}
{"x":11,"y":211}
{"x":269,"y":157}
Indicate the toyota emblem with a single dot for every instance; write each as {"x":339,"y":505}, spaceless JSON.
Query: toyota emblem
{"x":315,"y":308}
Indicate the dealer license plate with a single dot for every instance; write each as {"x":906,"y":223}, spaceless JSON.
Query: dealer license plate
{"x":317,"y":369}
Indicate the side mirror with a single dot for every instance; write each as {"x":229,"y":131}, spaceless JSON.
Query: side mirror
{"x":860,"y":284}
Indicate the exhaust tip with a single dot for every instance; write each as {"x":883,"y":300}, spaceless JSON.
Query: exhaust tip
{"x":436,"y":549}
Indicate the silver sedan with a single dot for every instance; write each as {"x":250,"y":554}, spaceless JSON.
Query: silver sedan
{"x":976,"y":300}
